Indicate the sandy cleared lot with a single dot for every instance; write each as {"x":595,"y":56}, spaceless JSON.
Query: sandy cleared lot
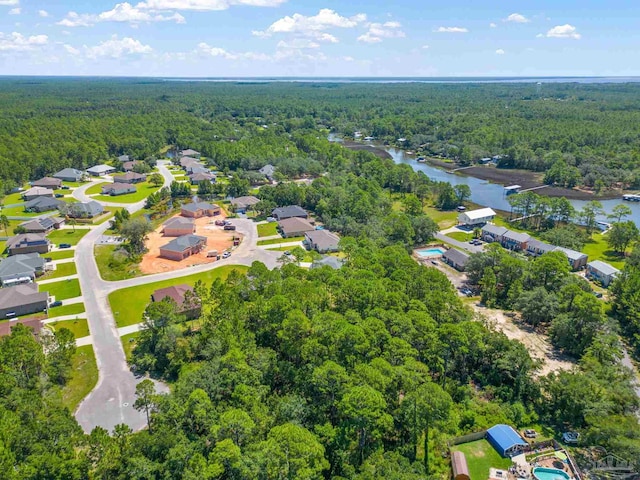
{"x":217,"y":239}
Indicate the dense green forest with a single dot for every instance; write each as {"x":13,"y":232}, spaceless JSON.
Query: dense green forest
{"x":588,"y":133}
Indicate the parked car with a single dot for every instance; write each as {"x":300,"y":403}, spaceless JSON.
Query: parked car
{"x":530,"y":433}
{"x":59,"y":195}
{"x":64,"y":245}
{"x":433,"y":262}
{"x":229,"y":227}
{"x":271,"y":219}
{"x":57,"y":303}
{"x":287,"y":253}
{"x":10,"y":314}
{"x":570,"y":437}
{"x":226,"y":254}
{"x":220,"y":223}
{"x":64,"y":187}
{"x":48,"y":259}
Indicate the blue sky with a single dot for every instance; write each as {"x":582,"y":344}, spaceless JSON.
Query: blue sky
{"x":196,"y":38}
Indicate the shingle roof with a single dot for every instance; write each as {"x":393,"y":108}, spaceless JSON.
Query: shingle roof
{"x":534,"y":244}
{"x":184,"y":242}
{"x":175,"y":293}
{"x":129,"y":176}
{"x":268,"y":170}
{"x":603,"y":267}
{"x":494,"y":230}
{"x":331,"y":261}
{"x":123,"y":158}
{"x":44,"y":223}
{"x":245,"y":201}
{"x":91,"y":207}
{"x":43,"y":202}
{"x":50,"y":181}
{"x":37,"y":191}
{"x":294,"y":225}
{"x":516,"y":236}
{"x":177,"y":222}
{"x":571,"y":254}
{"x":99,"y":169}
{"x":289,"y":211}
{"x":456,"y":256}
{"x":69,"y":172}
{"x":199,"y":177}
{"x":194,"y":207}
{"x":197,"y":168}
{"x":189,"y":152}
{"x":21,"y":264}
{"x":24,"y":239}
{"x":118,"y":187}
{"x":323,"y":238}
{"x":21,"y":295}
{"x":459,"y":464}
{"x":185,"y":161}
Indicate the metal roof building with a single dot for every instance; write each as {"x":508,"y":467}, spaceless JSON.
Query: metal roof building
{"x":505,"y":440}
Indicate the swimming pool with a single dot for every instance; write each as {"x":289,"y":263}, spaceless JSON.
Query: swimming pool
{"x":431,"y":252}
{"x":542,"y":473}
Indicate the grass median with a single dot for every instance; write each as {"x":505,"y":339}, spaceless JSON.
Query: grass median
{"x":128,"y":304}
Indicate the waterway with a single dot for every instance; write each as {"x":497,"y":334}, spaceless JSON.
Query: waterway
{"x":483,"y":192}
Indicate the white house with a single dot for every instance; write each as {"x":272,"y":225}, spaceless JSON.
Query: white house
{"x":100,"y":170}
{"x":602,"y":272}
{"x":476,"y":217}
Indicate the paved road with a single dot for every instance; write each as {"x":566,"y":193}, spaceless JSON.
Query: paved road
{"x":111,"y":401}
{"x":464,"y":246}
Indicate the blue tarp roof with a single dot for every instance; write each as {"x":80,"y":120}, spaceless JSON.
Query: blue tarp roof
{"x":504,"y":437}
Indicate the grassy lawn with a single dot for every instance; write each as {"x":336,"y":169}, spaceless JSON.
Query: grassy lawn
{"x":59,"y":254}
{"x":460,"y":236}
{"x":14,"y":197}
{"x":83,"y":379}
{"x":62,"y":290}
{"x":480,"y":457}
{"x":598,"y":249}
{"x":18,"y":212}
{"x":444,"y":219}
{"x":74,"y":184}
{"x":79,"y":327}
{"x":129,"y":343}
{"x":97,"y":188}
{"x":68,"y":235}
{"x":267,"y":229}
{"x":68,"y":199}
{"x":62,"y":270}
{"x":275,"y":241}
{"x":128,"y":304}
{"x":73,"y":309}
{"x":103,"y":254}
{"x":307,"y":258}
{"x":144,"y":190}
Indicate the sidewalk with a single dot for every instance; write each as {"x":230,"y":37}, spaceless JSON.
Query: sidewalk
{"x":62,"y":318}
{"x":59,"y":279}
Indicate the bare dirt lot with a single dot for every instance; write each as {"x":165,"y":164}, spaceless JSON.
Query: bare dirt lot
{"x":217,"y":239}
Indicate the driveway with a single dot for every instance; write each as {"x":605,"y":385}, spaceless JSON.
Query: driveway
{"x":464,"y":246}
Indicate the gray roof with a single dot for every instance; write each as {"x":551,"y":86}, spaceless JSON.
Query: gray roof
{"x":323,"y":238}
{"x":27,"y":239}
{"x":185,"y":161}
{"x":456,"y":256}
{"x":130,"y":176}
{"x":516,"y":236}
{"x":201,"y":176}
{"x":603,"y":268}
{"x":37,"y":191}
{"x":119,"y":187}
{"x":534,"y":244}
{"x":123,"y":158}
{"x":24,"y":294}
{"x":571,"y":254}
{"x":494,"y":230}
{"x":177,"y":222}
{"x":21,"y":265}
{"x":333,"y":262}
{"x":289,"y":211}
{"x":197,"y":168}
{"x":194,"y":207}
{"x":189,"y":151}
{"x":295,"y":225}
{"x":44,"y":223}
{"x":245,"y":201}
{"x":268,"y":170}
{"x":180,"y":244}
{"x":69,"y":172}
{"x":102,"y":168}
{"x":92,"y":208}
{"x":43,"y":202}
{"x":47,"y":181}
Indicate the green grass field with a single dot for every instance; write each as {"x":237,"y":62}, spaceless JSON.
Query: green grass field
{"x":83,"y":379}
{"x":18,"y":212}
{"x":144,"y":190}
{"x":276,"y":241}
{"x":14,"y":197}
{"x":67,"y":235}
{"x":481,"y":456}
{"x":74,"y":184}
{"x":460,"y":236}
{"x":73,"y":309}
{"x":128,"y":304}
{"x":444,"y":219}
{"x":62,"y":290}
{"x":59,"y":254}
{"x":267,"y":229}
{"x":62,"y":270}
{"x":598,"y":249}
{"x":103,"y":254}
{"x":307,"y":258}
{"x":129,"y":343}
{"x":79,"y":327}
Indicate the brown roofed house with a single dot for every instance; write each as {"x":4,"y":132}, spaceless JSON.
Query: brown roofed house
{"x":184,"y":296}
{"x":183,"y":247}
{"x":28,"y":243}
{"x":294,"y":227}
{"x":322,"y":241}
{"x":48,"y":182}
{"x":114,"y":189}
{"x":35,"y":192}
{"x":22,"y":300}
{"x":200,"y":209}
{"x":178,"y":226}
{"x":130,"y":177}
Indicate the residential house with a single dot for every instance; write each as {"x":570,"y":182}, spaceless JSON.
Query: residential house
{"x":35,"y":192}
{"x":184,"y":296}
{"x":42,"y":204}
{"x":114,"y":189}
{"x":196,"y":168}
{"x":291,"y":211}
{"x":69,"y":175}
{"x":21,"y":268}
{"x":42,"y":225}
{"x":242,"y":204}
{"x":48,"y":182}
{"x":268,"y":171}
{"x":183,"y":247}
{"x":456,"y":258}
{"x":186,"y":161}
{"x":322,"y":241}
{"x":515,"y":240}
{"x":328,"y":261}
{"x":123,"y":158}
{"x":82,"y":210}
{"x":130,"y":165}
{"x":601,"y":272}
{"x":190,"y":153}
{"x":476,"y":217}
{"x":294,"y":227}
{"x":22,"y":300}
{"x":178,"y":226}
{"x":197,"y":178}
{"x":34,"y":324}
{"x":200,"y":209}
{"x":130,"y":177}
{"x":577,"y":260}
{"x":28,"y":243}
{"x":101,"y":170}
{"x":493,"y":233}
{"x":536,"y":247}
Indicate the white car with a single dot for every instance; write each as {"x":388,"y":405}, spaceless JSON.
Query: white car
{"x":226,"y":254}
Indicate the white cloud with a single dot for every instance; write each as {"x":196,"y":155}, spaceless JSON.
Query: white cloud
{"x":311,"y":26}
{"x":564,"y":31}
{"x":9,"y":2}
{"x":19,"y":43}
{"x":205,"y":5}
{"x":74,"y":19}
{"x":298,"y":43}
{"x":15,"y":11}
{"x":71,"y":50}
{"x":116,"y":48}
{"x":122,"y":12}
{"x":516,"y":18}
{"x":493,"y":25}
{"x":425,"y":47}
{"x":451,"y":30}
{"x":215,"y":51}
{"x":43,"y":13}
{"x":379,"y":31}
{"x":500,"y":51}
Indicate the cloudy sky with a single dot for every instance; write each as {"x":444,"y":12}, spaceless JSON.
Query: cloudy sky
{"x":198,"y":38}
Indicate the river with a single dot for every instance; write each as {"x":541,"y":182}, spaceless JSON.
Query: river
{"x":483,"y":192}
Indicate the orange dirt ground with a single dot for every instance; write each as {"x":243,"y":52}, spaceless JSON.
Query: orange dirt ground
{"x":217,"y":239}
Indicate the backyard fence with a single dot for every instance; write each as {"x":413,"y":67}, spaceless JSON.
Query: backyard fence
{"x":472,"y":437}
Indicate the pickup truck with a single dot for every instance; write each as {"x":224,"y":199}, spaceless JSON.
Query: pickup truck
{"x":229,"y":227}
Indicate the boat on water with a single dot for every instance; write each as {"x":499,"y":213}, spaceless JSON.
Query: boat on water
{"x":421,"y":160}
{"x":630,"y":197}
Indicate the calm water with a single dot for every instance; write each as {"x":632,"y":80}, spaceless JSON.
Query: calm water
{"x":483,"y":192}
